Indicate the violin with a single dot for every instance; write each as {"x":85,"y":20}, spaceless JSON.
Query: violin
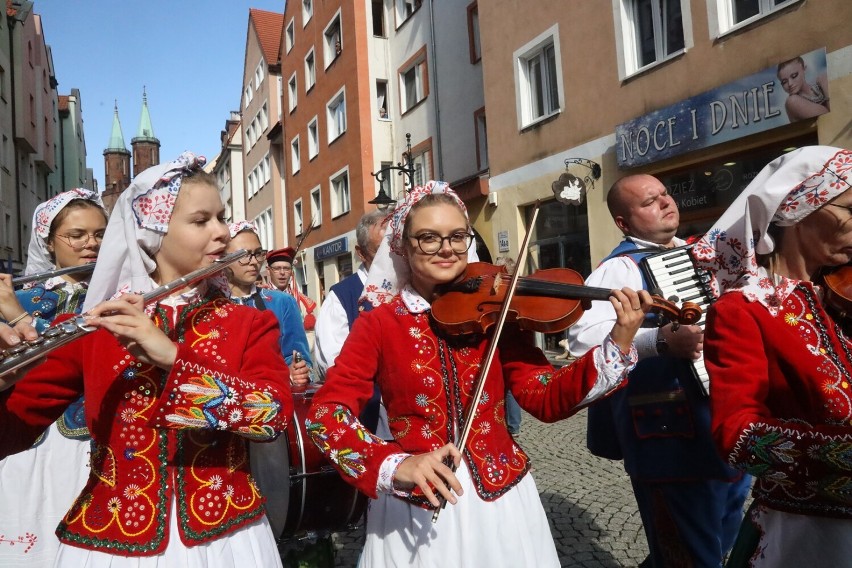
{"x":547,"y":301}
{"x":838,"y":291}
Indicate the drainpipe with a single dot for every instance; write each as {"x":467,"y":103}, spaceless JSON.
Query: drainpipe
{"x":439,"y":151}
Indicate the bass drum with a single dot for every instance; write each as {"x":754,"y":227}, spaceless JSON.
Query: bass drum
{"x":303,"y":491}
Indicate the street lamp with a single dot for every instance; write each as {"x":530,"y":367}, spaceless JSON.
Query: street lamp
{"x":404,"y":168}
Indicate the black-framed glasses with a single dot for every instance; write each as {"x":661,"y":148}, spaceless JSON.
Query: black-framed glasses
{"x":431,"y":243}
{"x":257,"y":254}
{"x":79,"y":240}
{"x":280,"y":268}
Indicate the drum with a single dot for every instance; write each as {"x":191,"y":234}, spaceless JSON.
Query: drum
{"x":303,"y":491}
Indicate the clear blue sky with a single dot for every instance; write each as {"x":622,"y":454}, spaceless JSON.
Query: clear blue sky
{"x":189,"y":54}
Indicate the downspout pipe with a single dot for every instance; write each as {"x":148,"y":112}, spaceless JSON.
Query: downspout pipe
{"x":438,"y":152}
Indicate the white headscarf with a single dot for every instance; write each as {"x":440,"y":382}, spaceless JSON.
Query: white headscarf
{"x":390,"y":272}
{"x":136,"y":228}
{"x":786,"y":191}
{"x":38,"y":256}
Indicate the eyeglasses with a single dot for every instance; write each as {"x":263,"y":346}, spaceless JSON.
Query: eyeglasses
{"x":257,"y":254}
{"x":78,"y":241}
{"x":431,"y":243}
{"x":280,"y":268}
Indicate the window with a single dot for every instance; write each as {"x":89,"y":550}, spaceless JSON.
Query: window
{"x":310,"y":71}
{"x":336,"y":115}
{"x":313,"y":139}
{"x":316,"y":206}
{"x":405,"y":9}
{"x":249,"y":95}
{"x":481,"y":134}
{"x":473,"y":32}
{"x":340,"y":193}
{"x":307,"y":11}
{"x":733,"y":13}
{"x":333,"y":40}
{"x":264,"y":228}
{"x":652,"y":30}
{"x":267,"y":169}
{"x":378,"y":18}
{"x":2,"y":83}
{"x":538,"y":78}
{"x":290,"y":37}
{"x":294,"y":155}
{"x":292,"y":93}
{"x":387,"y":179}
{"x":263,"y":116}
{"x":298,"y":218}
{"x":259,"y":74}
{"x":413,"y":81}
{"x":382,"y":98}
{"x":422,"y":164}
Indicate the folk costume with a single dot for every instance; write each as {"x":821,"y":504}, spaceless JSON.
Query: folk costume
{"x":292,"y":337}
{"x":426,"y":379}
{"x":170,"y":484}
{"x":39,"y":485}
{"x":690,"y":501}
{"x":781,"y":371}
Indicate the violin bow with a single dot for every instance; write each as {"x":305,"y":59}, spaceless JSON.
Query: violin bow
{"x":469,"y":413}
{"x":299,"y":244}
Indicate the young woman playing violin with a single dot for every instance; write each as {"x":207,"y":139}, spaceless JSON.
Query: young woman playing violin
{"x":38,"y":486}
{"x":173,"y":391}
{"x":426,"y":378}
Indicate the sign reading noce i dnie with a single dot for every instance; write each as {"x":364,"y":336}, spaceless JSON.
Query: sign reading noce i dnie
{"x":796,"y":89}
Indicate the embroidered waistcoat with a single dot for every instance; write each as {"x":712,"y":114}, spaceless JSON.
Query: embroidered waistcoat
{"x":162,"y":438}
{"x":427,"y":381}
{"x":781,"y":394}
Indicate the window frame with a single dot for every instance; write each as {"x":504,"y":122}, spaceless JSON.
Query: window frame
{"x":523,"y":94}
{"x":626,"y":34}
{"x":336,"y":208}
{"x":339,"y":98}
{"x":330,"y":53}
{"x":313,"y":138}
{"x":419,"y":64}
{"x":310,"y":70}
{"x":292,"y":92}
{"x":298,"y":217}
{"x":399,"y":10}
{"x":721,"y":15}
{"x":295,"y":155}
{"x":307,"y":11}
{"x":316,"y":205}
{"x":474,"y":33}
{"x":290,"y":35}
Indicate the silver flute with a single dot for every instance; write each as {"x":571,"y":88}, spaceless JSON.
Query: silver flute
{"x":80,"y":269}
{"x":21,"y":355}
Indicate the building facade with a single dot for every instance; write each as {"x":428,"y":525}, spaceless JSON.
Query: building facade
{"x":687,"y":90}
{"x":228,"y":169}
{"x":71,"y":170}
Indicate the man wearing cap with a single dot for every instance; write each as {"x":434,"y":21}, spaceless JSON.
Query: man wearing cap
{"x":279,"y":264}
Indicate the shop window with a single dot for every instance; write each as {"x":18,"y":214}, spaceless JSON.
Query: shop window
{"x":652,"y":30}
{"x":538,"y":78}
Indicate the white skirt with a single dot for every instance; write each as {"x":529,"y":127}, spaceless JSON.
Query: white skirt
{"x":788,"y":540}
{"x":253,"y":545}
{"x":37,"y":488}
{"x":511,"y":531}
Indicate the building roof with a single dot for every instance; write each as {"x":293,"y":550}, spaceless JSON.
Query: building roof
{"x":146,"y":129}
{"x":63,"y":103}
{"x":268,"y":26}
{"x":116,"y":138}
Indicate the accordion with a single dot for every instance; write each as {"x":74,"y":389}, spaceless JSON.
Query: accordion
{"x":674,"y":276}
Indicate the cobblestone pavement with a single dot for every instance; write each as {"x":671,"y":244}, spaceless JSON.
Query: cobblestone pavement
{"x":588,"y":500}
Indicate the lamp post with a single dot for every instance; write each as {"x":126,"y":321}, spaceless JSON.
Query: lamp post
{"x":404,"y":168}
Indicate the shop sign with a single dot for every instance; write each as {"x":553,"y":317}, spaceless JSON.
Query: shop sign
{"x":331,"y":248}
{"x":753,"y":104}
{"x":503,"y":241}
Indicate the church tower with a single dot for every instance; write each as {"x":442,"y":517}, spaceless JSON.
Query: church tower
{"x":116,"y":164}
{"x":146,"y":147}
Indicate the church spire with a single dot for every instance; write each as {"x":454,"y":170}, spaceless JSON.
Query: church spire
{"x":116,"y":138}
{"x":146,"y":130}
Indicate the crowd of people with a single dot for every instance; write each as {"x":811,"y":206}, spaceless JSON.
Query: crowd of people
{"x":131,"y":445}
